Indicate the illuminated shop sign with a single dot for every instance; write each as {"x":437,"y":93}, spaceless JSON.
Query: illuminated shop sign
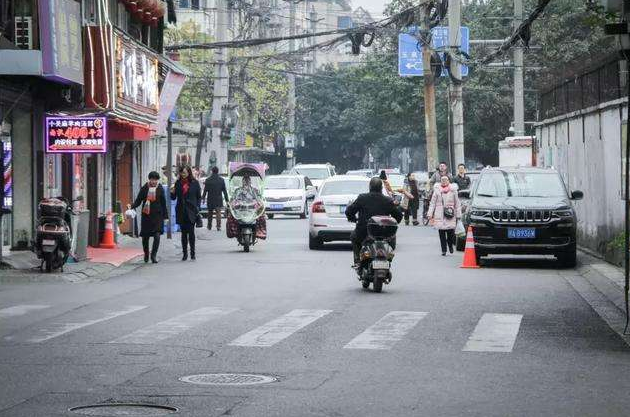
{"x":6,"y":169}
{"x":67,"y":134}
{"x":136,"y":76}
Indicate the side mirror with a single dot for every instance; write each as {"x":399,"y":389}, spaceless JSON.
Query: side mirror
{"x":577,"y":195}
{"x":464,"y":194}
{"x":310,"y":192}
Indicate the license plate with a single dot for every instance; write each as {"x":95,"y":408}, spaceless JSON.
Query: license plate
{"x":276,"y":206}
{"x":380,"y":265}
{"x":48,"y":242}
{"x":342,"y":209}
{"x":521,"y":233}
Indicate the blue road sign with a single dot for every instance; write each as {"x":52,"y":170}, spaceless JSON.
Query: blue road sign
{"x":410,"y":52}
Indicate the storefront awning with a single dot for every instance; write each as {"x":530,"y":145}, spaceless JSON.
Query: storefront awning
{"x":122,"y":130}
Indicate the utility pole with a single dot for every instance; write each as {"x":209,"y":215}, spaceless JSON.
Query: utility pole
{"x":519,"y":103}
{"x":169,"y":174}
{"x":313,"y":21}
{"x":290,"y":143}
{"x":221,"y":89}
{"x":430,"y":124}
{"x":455,"y":87}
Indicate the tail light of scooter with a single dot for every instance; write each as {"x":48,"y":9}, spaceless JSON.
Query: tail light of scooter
{"x":318,"y":207}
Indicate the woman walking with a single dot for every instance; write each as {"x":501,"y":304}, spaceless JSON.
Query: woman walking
{"x":412,"y":195}
{"x":153,"y":201}
{"x":444,"y":211}
{"x":187,"y":191}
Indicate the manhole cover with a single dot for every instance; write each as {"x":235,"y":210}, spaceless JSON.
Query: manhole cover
{"x":228,"y":379}
{"x":123,"y":409}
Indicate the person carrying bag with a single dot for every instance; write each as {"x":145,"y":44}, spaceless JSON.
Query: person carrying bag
{"x":444,"y":212}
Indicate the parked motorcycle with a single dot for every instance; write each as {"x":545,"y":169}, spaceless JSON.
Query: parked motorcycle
{"x":246,"y":217}
{"x":53,"y":237}
{"x":377,"y":252}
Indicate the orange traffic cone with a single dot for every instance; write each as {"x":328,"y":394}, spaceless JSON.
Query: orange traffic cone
{"x":108,"y":233}
{"x":470,"y":257}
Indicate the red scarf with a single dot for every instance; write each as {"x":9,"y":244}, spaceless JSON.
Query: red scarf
{"x":185,"y":185}
{"x":446,"y":189}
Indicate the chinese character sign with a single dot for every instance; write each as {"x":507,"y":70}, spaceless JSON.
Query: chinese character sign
{"x":137,"y":76}
{"x":67,"y":134}
{"x":6,"y":165}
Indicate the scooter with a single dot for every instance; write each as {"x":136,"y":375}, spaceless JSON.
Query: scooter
{"x":377,"y":253}
{"x":246,"y":221}
{"x":54,"y":233}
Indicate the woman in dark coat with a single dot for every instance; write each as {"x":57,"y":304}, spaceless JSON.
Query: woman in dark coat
{"x":153,"y":201}
{"x":187,"y":191}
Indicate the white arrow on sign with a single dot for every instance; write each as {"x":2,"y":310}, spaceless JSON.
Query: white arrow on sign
{"x":414,"y":65}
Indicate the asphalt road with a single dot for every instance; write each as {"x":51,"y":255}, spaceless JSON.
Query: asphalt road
{"x":511,"y":339}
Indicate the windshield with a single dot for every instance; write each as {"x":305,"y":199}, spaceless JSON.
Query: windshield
{"x":344,"y":187}
{"x":520,"y":184}
{"x":279,"y":183}
{"x":313,"y":173}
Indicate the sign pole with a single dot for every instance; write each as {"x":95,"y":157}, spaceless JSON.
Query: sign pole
{"x":169,"y":175}
{"x":455,"y":87}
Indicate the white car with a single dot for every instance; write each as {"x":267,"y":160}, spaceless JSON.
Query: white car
{"x":287,"y":194}
{"x":328,"y":221}
{"x":317,"y":173}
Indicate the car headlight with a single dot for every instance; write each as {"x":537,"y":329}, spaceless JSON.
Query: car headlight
{"x":563,"y":214}
{"x":479,"y":213}
{"x":295,"y":198}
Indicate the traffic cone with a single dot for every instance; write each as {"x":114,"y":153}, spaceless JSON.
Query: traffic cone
{"x":108,"y":233}
{"x":470,"y":258}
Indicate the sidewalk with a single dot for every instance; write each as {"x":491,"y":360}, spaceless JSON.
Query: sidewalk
{"x":23,"y":266}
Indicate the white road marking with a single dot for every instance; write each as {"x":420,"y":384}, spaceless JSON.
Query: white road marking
{"x":20,"y":310}
{"x":494,"y":333}
{"x":387,"y":331}
{"x":59,"y":329}
{"x":279,"y":329}
{"x":172,"y":327}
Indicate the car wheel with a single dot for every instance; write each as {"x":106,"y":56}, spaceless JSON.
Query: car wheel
{"x":460,"y":243}
{"x":478,"y":256}
{"x":270,"y":216}
{"x":314,"y":243}
{"x":567,"y":259}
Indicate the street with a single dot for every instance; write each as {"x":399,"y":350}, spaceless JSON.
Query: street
{"x":514,"y":338}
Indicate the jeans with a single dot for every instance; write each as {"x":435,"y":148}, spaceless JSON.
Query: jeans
{"x":216,"y":213}
{"x":156,"y":244}
{"x":447,"y":237}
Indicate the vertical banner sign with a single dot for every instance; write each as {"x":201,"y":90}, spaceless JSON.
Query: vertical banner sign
{"x":6,"y":167}
{"x":168,"y":97}
{"x":67,"y":134}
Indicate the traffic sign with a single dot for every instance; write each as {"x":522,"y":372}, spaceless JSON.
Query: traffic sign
{"x":410,"y":51}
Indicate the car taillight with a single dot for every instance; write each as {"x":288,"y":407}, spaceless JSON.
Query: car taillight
{"x":318,"y":207}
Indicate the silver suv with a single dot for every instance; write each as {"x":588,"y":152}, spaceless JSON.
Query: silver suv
{"x":317,"y":173}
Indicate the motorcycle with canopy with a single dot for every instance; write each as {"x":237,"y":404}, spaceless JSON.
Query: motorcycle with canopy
{"x":246,"y":208}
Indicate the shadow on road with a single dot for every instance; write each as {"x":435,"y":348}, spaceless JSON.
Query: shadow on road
{"x":522,"y":263}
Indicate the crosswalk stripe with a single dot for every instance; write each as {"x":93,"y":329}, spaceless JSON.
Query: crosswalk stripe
{"x":20,"y":310}
{"x":387,"y":331}
{"x":279,"y":329}
{"x":59,"y":329}
{"x":494,"y":333}
{"x":174,"y":326}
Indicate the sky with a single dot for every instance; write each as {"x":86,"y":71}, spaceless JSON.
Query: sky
{"x":375,"y":7}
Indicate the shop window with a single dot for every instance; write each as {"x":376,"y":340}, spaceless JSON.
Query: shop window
{"x":194,"y":4}
{"x":123,"y":17}
{"x":184,"y":4}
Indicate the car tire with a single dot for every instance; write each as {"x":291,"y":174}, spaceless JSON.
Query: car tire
{"x":270,"y":216}
{"x":478,"y":256}
{"x":567,"y":259}
{"x":460,"y":243}
{"x":314,"y":243}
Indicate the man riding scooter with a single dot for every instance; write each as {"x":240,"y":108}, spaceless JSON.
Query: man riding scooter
{"x":367,"y":205}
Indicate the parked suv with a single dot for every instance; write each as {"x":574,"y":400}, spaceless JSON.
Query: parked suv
{"x":522,"y":211}
{"x":317,"y":173}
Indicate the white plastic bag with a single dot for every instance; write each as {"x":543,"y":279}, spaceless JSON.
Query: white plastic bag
{"x":459,"y":229}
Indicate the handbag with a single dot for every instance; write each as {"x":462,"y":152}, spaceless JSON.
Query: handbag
{"x":199,"y":221}
{"x":449,"y":212}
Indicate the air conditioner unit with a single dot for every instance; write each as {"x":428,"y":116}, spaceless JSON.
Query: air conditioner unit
{"x":23,"y":34}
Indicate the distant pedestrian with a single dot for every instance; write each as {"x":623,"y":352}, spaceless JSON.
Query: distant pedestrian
{"x":215,"y":190}
{"x":386,"y":184}
{"x":154,"y":211}
{"x":461,"y":179}
{"x":411,"y":201}
{"x":442,"y":170}
{"x":187,"y":191}
{"x":444,"y":211}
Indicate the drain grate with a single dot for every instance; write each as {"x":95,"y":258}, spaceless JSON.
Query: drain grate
{"x":229,"y":379}
{"x":123,"y":409}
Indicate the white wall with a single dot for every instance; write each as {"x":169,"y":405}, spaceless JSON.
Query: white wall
{"x":585,"y":147}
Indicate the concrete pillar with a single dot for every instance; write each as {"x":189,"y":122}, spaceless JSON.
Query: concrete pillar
{"x":22,"y":178}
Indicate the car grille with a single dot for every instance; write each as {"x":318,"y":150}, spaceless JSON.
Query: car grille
{"x":521,"y":216}
{"x":277,"y":199}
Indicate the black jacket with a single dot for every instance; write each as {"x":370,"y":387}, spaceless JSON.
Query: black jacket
{"x":463,"y":183}
{"x":187,"y":206}
{"x":214,"y":188}
{"x":368,"y":205}
{"x":153,"y":222}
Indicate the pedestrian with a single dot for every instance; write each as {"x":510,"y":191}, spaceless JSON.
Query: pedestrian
{"x":444,"y":212}
{"x":412,"y":199}
{"x":154,"y":211}
{"x":215,"y":190}
{"x":187,"y":191}
{"x":441,"y":171}
{"x":461,"y":179}
{"x":386,"y":185}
